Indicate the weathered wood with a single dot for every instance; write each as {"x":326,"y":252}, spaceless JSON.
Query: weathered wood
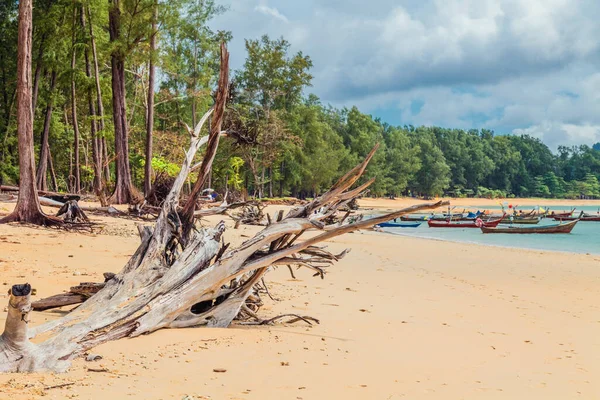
{"x":72,"y":212}
{"x":18,"y":352}
{"x":76,"y":295}
{"x":58,"y":300}
{"x":250,"y":214}
{"x":221,"y":209}
{"x":8,"y":188}
{"x":112,"y":211}
{"x":187,"y":214}
{"x":181,"y":279}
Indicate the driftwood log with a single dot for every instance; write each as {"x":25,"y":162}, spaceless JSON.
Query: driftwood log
{"x":76,"y":295}
{"x":71,"y":212}
{"x":250,"y":214}
{"x":46,"y":193}
{"x":181,"y":276}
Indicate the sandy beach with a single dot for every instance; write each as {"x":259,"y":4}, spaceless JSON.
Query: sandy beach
{"x":400,"y":318}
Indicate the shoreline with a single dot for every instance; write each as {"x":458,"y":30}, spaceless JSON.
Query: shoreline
{"x":487,"y":244}
{"x":401,"y":202}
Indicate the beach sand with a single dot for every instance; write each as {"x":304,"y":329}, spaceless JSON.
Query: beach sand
{"x":400,"y":318}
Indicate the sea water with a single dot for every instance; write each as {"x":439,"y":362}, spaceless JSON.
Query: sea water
{"x":585,"y":237}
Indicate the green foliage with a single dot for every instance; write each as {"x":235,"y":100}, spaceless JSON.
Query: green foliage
{"x":160,"y":165}
{"x":291,"y":143}
{"x":235,"y":165}
{"x":434,"y":175}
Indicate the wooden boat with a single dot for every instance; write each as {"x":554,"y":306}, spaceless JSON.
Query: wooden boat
{"x":556,"y":228}
{"x":584,"y":218}
{"x":467,"y":224}
{"x":561,"y":215}
{"x":414,"y":217}
{"x":392,"y":224}
{"x":445,"y":217}
{"x":522,"y":221}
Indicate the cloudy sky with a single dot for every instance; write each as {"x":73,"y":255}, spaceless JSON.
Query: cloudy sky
{"x":514,"y":66}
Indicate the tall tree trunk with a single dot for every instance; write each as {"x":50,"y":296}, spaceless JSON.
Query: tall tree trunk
{"x":262,"y":183}
{"x":42,"y":183}
{"x":38,"y":71}
{"x":52,"y":172}
{"x":28,"y":205}
{"x":281,"y":177}
{"x":106,"y":161}
{"x":124,"y":190}
{"x":102,"y":150}
{"x":150,"y":115}
{"x":270,"y":182}
{"x":96,"y":148}
{"x":74,"y":111}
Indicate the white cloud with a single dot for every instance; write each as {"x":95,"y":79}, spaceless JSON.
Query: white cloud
{"x":273,"y":12}
{"x":555,"y":134}
{"x":498,"y":64}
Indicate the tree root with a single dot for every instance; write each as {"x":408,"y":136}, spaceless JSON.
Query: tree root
{"x":296,"y":318}
{"x":197,"y":282}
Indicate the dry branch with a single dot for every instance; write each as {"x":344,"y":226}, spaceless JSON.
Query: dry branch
{"x":181,"y":276}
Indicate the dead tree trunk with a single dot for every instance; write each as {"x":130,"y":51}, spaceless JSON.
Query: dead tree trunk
{"x":174,"y":281}
{"x":42,"y":181}
{"x":150,"y":113}
{"x":28,"y":206}
{"x":72,"y":212}
{"x":14,"y":341}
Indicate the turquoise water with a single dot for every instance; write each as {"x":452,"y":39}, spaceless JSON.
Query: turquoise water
{"x":585,"y":237}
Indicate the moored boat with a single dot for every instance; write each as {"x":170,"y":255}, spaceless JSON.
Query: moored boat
{"x":445,"y":217}
{"x":583,"y":218}
{"x":562,"y":215}
{"x":465,"y":224}
{"x":392,"y":224}
{"x":414,"y":217}
{"x":555,"y":228}
{"x":522,"y":221}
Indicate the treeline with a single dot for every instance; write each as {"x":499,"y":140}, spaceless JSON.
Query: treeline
{"x":115,"y":83}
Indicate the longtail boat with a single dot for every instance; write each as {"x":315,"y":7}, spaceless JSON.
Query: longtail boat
{"x":391,"y":224}
{"x":561,"y":215}
{"x":467,"y":224}
{"x":584,"y":218}
{"x":523,"y":221}
{"x":414,"y":217}
{"x":555,"y":228}
{"x":445,"y":217}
